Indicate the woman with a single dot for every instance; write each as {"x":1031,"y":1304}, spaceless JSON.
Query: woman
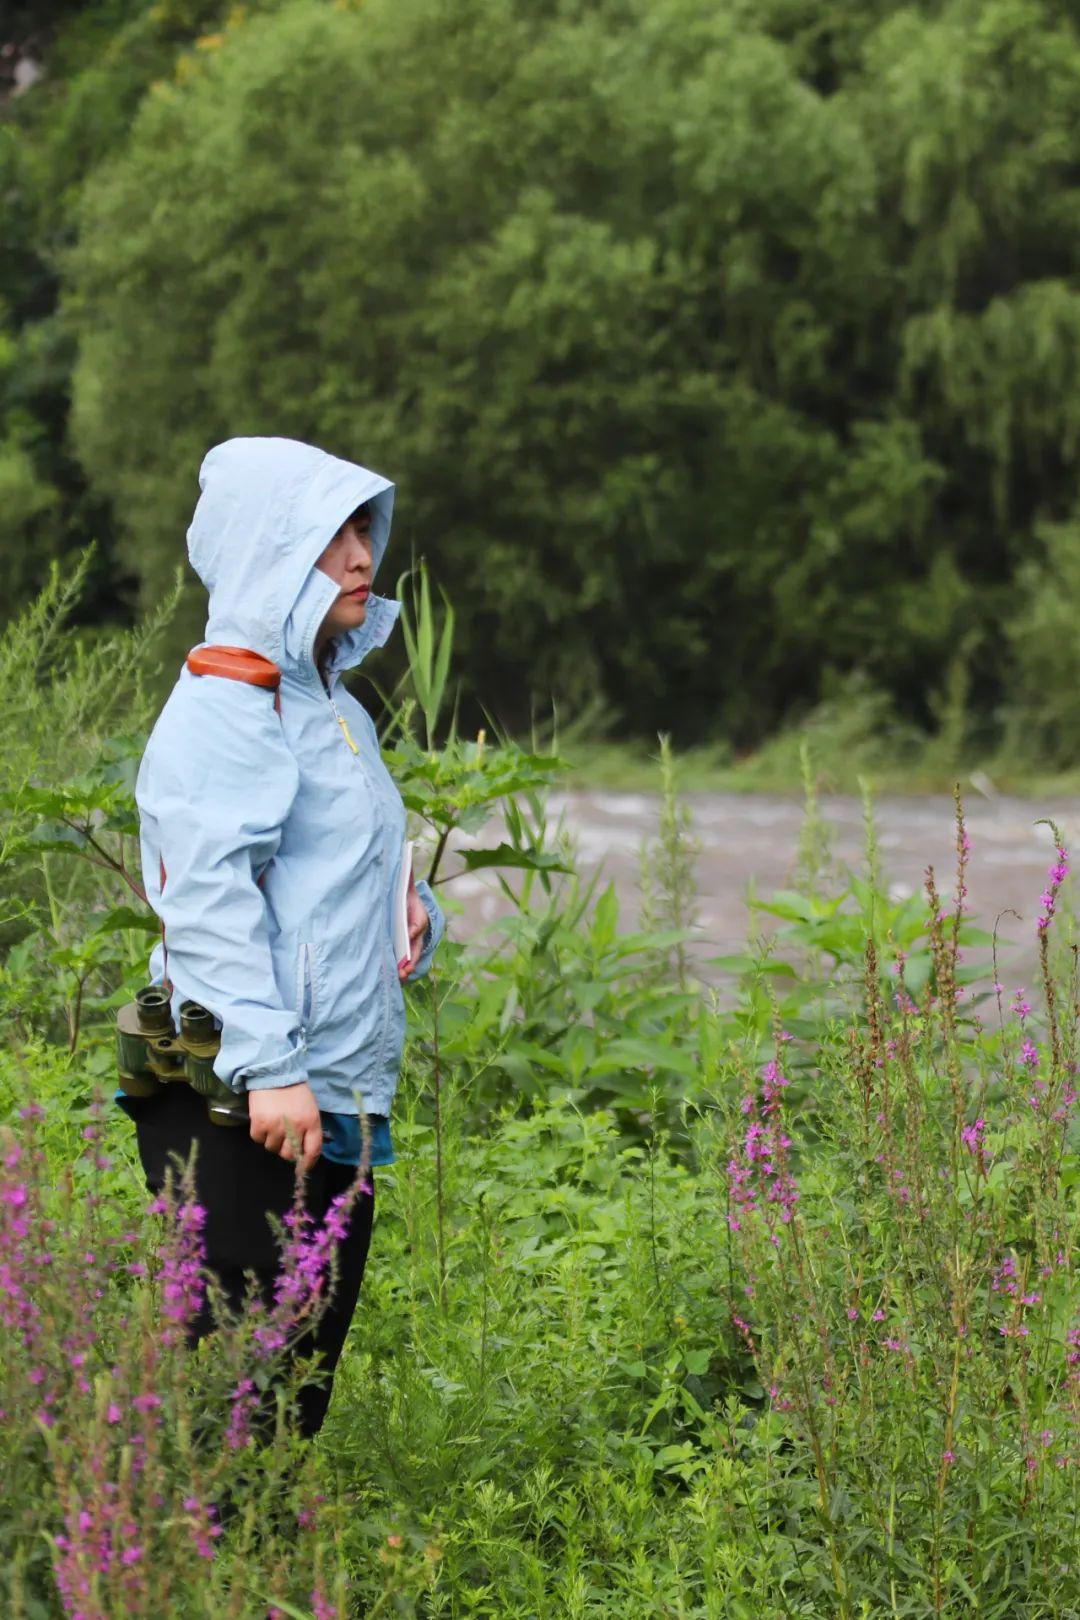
{"x":272,"y":836}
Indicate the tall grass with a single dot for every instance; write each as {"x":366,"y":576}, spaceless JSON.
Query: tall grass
{"x":757,"y":1308}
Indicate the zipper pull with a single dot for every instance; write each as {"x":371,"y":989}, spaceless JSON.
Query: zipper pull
{"x":346,"y":733}
{"x":340,"y":718}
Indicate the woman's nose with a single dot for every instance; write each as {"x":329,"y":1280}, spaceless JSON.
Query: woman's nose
{"x":360,"y":552}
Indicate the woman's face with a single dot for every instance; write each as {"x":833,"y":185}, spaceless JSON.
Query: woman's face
{"x":347,"y":561}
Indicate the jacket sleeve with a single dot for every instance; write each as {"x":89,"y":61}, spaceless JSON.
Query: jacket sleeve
{"x":215,"y":785}
{"x":435,"y":931}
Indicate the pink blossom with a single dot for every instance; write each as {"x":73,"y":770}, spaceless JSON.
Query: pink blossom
{"x":321,"y":1607}
{"x":972,"y":1136}
{"x":1003,"y":1280}
{"x":1048,"y":899}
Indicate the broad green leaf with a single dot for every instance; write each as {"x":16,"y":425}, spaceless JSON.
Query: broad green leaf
{"x":124,"y":917}
{"x":533,"y":860}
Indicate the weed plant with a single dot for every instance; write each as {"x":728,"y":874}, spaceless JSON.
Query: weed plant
{"x":752,"y":1306}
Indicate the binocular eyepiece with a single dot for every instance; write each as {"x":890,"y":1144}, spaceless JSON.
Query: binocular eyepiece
{"x":151,"y":1055}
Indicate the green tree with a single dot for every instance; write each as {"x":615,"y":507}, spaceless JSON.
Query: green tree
{"x":718,"y":351}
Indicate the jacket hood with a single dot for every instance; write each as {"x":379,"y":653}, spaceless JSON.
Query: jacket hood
{"x":268,"y":509}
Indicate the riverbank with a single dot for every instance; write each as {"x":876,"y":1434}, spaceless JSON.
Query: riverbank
{"x":778,"y":769}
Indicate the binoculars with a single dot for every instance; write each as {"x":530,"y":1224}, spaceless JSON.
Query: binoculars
{"x":150,"y":1055}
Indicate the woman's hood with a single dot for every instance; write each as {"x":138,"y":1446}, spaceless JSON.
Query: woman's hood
{"x":267,"y":511}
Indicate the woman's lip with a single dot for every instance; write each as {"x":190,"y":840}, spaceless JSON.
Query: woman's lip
{"x":361,"y":590}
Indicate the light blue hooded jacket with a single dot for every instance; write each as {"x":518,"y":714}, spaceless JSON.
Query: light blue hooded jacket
{"x":280,"y":846}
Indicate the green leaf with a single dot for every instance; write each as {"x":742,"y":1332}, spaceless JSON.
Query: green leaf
{"x":284,"y":1607}
{"x":632,"y":1053}
{"x":795,"y":907}
{"x":753,"y":964}
{"x":123,"y":917}
{"x":532,"y":860}
{"x":605,"y":918}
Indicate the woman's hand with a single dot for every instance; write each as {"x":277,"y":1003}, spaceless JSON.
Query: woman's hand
{"x":418,"y":927}
{"x":281,"y":1115}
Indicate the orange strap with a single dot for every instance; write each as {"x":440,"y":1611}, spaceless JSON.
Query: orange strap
{"x":237,"y":664}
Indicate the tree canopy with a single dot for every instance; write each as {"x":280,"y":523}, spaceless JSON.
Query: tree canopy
{"x":718,"y":350}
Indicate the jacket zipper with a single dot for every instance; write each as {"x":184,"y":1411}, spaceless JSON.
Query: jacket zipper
{"x":340,"y":718}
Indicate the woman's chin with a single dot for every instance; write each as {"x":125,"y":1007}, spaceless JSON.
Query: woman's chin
{"x":348,"y":616}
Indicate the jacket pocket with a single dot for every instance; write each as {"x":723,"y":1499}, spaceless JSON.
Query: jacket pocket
{"x":305,"y":987}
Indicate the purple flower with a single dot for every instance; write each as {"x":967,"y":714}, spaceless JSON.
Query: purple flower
{"x":182,"y":1285}
{"x":244,"y":1401}
{"x":1048,"y":899}
{"x":972,"y":1136}
{"x":1004,"y":1278}
{"x":758,"y":1178}
{"x":321,"y":1607}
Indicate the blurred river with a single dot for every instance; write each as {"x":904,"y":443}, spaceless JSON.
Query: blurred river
{"x":753,"y":838}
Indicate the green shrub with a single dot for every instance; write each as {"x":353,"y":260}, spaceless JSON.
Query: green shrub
{"x":753,"y":1305}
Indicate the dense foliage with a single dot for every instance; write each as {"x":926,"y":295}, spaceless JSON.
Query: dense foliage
{"x":720,"y":351}
{"x":760,"y":1305}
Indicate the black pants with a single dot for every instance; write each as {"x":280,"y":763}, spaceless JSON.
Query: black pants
{"x":239,"y":1183}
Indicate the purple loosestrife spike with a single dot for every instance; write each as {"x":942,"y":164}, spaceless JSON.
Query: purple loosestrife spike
{"x":1048,"y":899}
{"x":182,"y":1284}
{"x":972,"y":1136}
{"x":244,"y":1401}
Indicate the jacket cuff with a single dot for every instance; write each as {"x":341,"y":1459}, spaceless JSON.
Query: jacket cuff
{"x":435,"y":931}
{"x":289,"y":1070}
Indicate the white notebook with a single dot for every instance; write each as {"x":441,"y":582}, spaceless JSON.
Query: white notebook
{"x":401,"y":906}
